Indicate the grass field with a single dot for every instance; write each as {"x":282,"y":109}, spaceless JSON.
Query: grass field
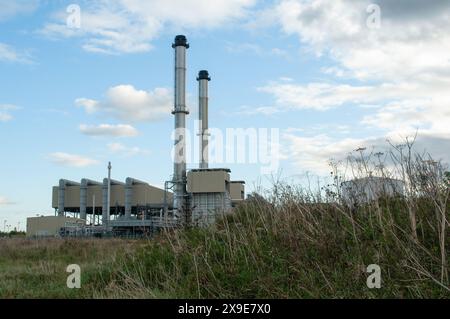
{"x":37,"y":268}
{"x":297,"y":250}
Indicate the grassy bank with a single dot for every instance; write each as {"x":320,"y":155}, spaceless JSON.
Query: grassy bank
{"x":293,"y":249}
{"x":300,"y":250}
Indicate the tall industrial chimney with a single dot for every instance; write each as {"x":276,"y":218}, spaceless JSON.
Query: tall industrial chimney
{"x":180,"y":111}
{"x":203,"y":79}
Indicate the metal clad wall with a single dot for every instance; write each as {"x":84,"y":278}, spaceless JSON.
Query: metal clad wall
{"x":72,"y":196}
{"x":236,"y":190}
{"x":142,"y":195}
{"x":208,"y":206}
{"x":55,"y":196}
{"x":49,"y":225}
{"x":117,"y":195}
{"x":146,"y":194}
{"x":208,"y":181}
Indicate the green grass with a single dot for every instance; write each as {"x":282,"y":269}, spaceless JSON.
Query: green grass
{"x":289,"y":249}
{"x":37,"y":268}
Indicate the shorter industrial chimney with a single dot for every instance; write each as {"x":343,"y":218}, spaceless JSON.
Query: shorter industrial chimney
{"x":203,"y":79}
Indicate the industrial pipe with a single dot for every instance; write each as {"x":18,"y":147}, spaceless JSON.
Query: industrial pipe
{"x":129,"y":183}
{"x":85,"y":183}
{"x":180,"y":111}
{"x":63,"y":183}
{"x":203,"y":79}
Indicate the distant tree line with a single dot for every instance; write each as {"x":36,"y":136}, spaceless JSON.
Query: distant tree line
{"x":12,"y":233}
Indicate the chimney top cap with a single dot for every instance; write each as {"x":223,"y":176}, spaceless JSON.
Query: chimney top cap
{"x":180,"y":40}
{"x":203,"y":75}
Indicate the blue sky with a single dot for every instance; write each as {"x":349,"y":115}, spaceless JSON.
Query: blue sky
{"x":73,"y":98}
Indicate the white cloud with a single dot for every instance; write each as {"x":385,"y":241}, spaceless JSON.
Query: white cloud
{"x":5,"y":117}
{"x":4,"y":201}
{"x":407,"y":45}
{"x":10,"y":8}
{"x":398,"y":74}
{"x":90,"y":106}
{"x":124,"y":102}
{"x":317,"y":96}
{"x":126,"y":151}
{"x":339,"y":29}
{"x":313,"y":153}
{"x":120,"y":130}
{"x":129,"y":26}
{"x":10,"y":54}
{"x":5,"y":112}
{"x":72,"y":160}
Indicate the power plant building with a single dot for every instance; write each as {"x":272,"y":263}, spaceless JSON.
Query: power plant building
{"x":195,"y":197}
{"x":51,"y":226}
{"x":210,"y":193}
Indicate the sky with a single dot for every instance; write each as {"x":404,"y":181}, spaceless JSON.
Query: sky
{"x":83,"y":83}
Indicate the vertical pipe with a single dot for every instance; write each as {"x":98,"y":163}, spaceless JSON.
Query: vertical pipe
{"x":105,"y":202}
{"x":108,"y":215}
{"x":61,"y":197}
{"x":128,"y":197}
{"x":93,"y":209}
{"x":180,"y":111}
{"x":83,"y":198}
{"x":203,"y":79}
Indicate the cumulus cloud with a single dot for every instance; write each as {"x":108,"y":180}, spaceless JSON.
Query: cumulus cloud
{"x":126,"y":151}
{"x":318,"y":96}
{"x":120,"y":130}
{"x":313,"y":153}
{"x":129,"y":26}
{"x":399,"y":49}
{"x":124,"y":102}
{"x":71,"y":160}
{"x":398,"y":74}
{"x":11,"y":54}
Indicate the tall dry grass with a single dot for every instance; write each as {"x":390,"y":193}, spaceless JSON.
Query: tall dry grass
{"x":304,"y":242}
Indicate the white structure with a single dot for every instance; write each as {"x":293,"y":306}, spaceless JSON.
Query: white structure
{"x":180,"y":111}
{"x":365,"y":190}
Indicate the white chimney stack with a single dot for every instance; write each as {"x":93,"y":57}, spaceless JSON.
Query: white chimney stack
{"x":203,"y":79}
{"x":180,"y":111}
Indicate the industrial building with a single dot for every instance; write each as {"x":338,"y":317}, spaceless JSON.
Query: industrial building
{"x":191,"y":197}
{"x":51,"y":226}
{"x":368,"y":189}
